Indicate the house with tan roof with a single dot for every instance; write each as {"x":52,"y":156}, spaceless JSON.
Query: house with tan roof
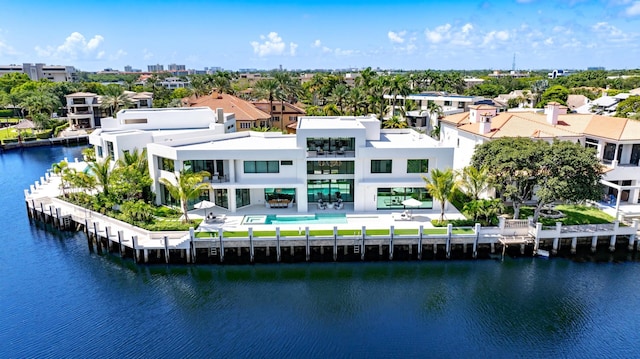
{"x":284,"y":114}
{"x":247,"y":115}
{"x":616,"y":140}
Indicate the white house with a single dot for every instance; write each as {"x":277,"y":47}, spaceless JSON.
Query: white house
{"x":84,"y":108}
{"x":137,"y":128}
{"x":347,"y":160}
{"x":616,"y":140}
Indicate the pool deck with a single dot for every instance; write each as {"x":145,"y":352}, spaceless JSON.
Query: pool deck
{"x":355,"y":220}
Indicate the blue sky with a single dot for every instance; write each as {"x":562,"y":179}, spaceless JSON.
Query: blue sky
{"x":543,"y":34}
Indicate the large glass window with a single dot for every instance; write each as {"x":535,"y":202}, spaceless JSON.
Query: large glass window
{"x":165,"y":164}
{"x":381,"y":166}
{"x":330,"y":190}
{"x":220,"y":197}
{"x":110,"y":148}
{"x":331,"y":144}
{"x":392,"y":198}
{"x":330,"y":167}
{"x":243,"y":197}
{"x":417,"y":166}
{"x":261,"y":167}
{"x":610,"y":152}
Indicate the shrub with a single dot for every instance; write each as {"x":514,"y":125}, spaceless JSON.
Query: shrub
{"x":59,"y":129}
{"x":43,"y":135}
{"x":454,"y":222}
{"x":6,"y":113}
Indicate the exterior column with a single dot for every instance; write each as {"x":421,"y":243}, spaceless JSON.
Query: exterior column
{"x":251,"y":248}
{"x":335,"y":243}
{"x":448,"y":245}
{"x":594,"y":243}
{"x":612,"y":241}
{"x":420,"y":242}
{"x":477,"y":239}
{"x":221,"y":254}
{"x":308,"y":247}
{"x":364,"y":247}
{"x":391,"y":229}
{"x":574,"y":245}
{"x":278,"y":252}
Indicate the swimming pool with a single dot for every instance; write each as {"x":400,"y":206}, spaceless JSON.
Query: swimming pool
{"x":337,"y":218}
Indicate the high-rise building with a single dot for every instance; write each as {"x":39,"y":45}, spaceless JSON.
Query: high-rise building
{"x":174,"y":67}
{"x":128,"y":69}
{"x":155,"y":68}
{"x":41,"y":71}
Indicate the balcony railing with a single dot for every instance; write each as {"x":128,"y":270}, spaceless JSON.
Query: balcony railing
{"x":330,"y":154}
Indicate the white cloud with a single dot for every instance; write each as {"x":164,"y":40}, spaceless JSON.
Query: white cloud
{"x":6,"y":49}
{"x":467,"y":28}
{"x":548,"y":41}
{"x":438,"y":34}
{"x":495,"y":35}
{"x":326,"y":49}
{"x":272,"y":45}
{"x":74,"y":46}
{"x":118,"y":55}
{"x":317,"y":43}
{"x":605,"y":27}
{"x":397,"y":37}
{"x":634,"y":9}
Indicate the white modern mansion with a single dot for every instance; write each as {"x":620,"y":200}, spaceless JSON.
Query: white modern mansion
{"x":349,"y":160}
{"x":84,"y":108}
{"x":616,"y":140}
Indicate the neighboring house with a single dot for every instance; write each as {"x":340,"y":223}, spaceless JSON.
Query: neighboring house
{"x":605,"y":105}
{"x":287,"y":111}
{"x":84,"y":108}
{"x":246,"y":114}
{"x":349,"y":158}
{"x":136,"y":128}
{"x":421,"y":117}
{"x":616,"y":140}
{"x":525,"y":96}
{"x":173,"y":83}
{"x":41,"y":71}
{"x":469,"y":82}
{"x":577,"y":103}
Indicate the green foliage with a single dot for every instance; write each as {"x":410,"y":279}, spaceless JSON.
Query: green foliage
{"x":562,"y":171}
{"x":453,"y":222}
{"x":629,"y":108}
{"x":137,"y":211}
{"x":6,"y":113}
{"x":441,"y":186}
{"x":58,"y":129}
{"x":186,"y":186}
{"x":555,"y":93}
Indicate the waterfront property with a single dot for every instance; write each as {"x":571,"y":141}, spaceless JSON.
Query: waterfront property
{"x":84,"y":108}
{"x":616,"y":140}
{"x":331,"y":163}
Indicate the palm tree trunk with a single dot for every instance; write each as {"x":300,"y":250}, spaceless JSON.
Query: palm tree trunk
{"x":281,"y":115}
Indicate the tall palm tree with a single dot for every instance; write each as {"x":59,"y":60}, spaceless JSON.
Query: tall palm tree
{"x":40,"y":102}
{"x":474,"y":181}
{"x":101,"y":170}
{"x":136,"y":159}
{"x":115,"y":99}
{"x":357,"y":100}
{"x":398,"y":86}
{"x":186,"y":186}
{"x":379,"y":88}
{"x":339,"y":95}
{"x":270,"y":90}
{"x":441,"y":186}
{"x":289,"y":88}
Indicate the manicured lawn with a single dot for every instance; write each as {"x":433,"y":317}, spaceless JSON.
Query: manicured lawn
{"x":574,"y":214}
{"x":329,"y":232}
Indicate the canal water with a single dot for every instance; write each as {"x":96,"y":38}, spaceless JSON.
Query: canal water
{"x":58,"y":300}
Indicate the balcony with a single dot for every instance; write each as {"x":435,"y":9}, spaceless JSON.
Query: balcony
{"x":331,"y":154}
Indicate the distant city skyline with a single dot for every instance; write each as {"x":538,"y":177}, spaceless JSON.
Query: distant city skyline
{"x":330,"y":34}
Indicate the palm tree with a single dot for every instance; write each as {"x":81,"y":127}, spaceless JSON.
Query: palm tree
{"x":136,"y":159}
{"x":441,"y":185}
{"x":270,"y":90}
{"x":398,"y":86}
{"x":61,"y":168}
{"x":115,"y":99}
{"x":339,"y":95}
{"x":290,"y":89}
{"x":186,"y":186}
{"x":102,"y":172}
{"x":40,"y":102}
{"x":379,"y":88}
{"x":394,"y":122}
{"x":474,"y":181}
{"x":356,"y":100}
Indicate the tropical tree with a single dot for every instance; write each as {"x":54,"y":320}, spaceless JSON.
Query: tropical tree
{"x":38,"y":102}
{"x":186,"y":186}
{"x":537,"y":88}
{"x":629,"y":108}
{"x":441,"y":185}
{"x":555,"y":93}
{"x":60,"y":169}
{"x":101,"y":170}
{"x":115,"y":99}
{"x":289,"y":91}
{"x":473,"y":181}
{"x":394,"y":122}
{"x":357,"y":101}
{"x":339,"y":96}
{"x":269,"y":89}
{"x":398,"y":86}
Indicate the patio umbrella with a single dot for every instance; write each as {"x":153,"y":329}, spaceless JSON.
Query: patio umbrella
{"x":204,"y":205}
{"x":411,"y":203}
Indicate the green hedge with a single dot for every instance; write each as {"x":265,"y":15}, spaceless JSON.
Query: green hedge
{"x":10,"y":140}
{"x":44,"y":135}
{"x":6,"y":113}
{"x":59,"y":129}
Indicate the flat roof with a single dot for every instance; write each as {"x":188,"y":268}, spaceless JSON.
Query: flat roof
{"x":330,"y":123}
{"x":251,"y":142}
{"x":403,"y":140}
